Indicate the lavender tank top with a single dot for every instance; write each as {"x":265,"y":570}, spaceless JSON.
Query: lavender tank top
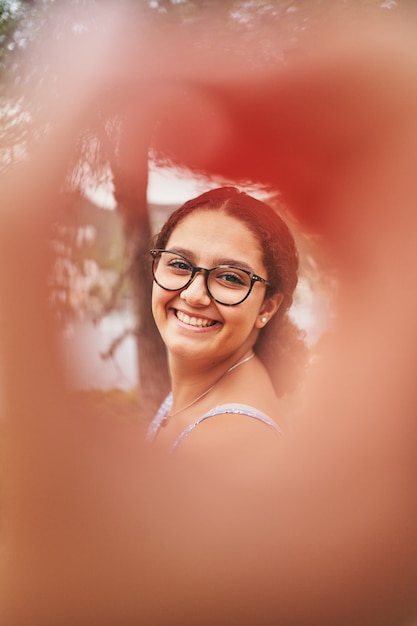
{"x":232,"y":408}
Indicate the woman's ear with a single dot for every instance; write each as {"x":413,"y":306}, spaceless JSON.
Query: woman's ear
{"x":269,"y":307}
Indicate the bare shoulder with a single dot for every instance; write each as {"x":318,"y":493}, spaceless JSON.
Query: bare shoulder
{"x":234,"y":443}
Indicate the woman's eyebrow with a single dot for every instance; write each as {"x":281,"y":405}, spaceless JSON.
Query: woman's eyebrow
{"x":216,"y":261}
{"x":187,"y":253}
{"x":235,"y":262}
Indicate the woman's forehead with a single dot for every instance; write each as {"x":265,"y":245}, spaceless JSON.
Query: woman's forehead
{"x":211,"y":220}
{"x":216,"y":236}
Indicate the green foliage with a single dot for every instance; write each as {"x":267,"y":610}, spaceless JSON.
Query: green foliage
{"x":9,"y":14}
{"x":9,"y":18}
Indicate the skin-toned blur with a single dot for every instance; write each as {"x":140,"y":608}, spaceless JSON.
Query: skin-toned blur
{"x":98,"y":528}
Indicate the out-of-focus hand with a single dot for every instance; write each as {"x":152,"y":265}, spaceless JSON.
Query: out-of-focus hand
{"x":97,"y":529}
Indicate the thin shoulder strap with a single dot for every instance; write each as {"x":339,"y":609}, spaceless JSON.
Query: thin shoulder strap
{"x":237,"y":409}
{"x":155,"y":425}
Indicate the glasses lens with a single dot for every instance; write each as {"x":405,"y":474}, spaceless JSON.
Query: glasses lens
{"x":171,"y":271}
{"x":229,"y":285}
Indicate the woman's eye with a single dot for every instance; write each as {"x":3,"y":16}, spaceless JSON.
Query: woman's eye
{"x":231,"y":278}
{"x":179,"y":264}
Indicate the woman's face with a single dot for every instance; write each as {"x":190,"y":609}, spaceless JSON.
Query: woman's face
{"x":191,"y":323}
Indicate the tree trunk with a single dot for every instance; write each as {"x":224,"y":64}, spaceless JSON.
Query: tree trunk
{"x":130,"y":181}
{"x":152,"y":364}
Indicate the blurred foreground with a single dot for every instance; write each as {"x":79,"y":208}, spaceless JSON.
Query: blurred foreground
{"x":98,"y":530}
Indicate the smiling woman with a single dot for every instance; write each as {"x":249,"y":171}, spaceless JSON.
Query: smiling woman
{"x":225,"y":269}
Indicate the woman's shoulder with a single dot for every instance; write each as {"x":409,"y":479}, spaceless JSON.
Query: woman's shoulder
{"x":230,"y":420}
{"x":236,"y":443}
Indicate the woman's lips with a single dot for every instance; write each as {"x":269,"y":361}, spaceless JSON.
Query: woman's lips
{"x":191,"y":320}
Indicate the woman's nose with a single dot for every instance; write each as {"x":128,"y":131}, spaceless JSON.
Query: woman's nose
{"x":196,"y":293}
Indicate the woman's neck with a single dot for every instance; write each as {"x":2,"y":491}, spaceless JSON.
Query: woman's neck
{"x":190,"y":379}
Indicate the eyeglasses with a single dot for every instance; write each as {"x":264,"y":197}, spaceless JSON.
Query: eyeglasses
{"x":226,"y":284}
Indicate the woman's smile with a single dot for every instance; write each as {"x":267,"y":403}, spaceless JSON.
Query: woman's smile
{"x":194,"y":320}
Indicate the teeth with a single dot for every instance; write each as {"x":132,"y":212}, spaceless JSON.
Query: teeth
{"x":194,"y":321}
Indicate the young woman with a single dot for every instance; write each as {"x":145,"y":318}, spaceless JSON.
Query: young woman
{"x":225,"y":269}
